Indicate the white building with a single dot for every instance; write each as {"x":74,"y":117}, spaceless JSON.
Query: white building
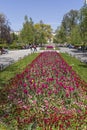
{"x":16,"y":32}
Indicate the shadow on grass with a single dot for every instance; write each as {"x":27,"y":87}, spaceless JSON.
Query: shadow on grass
{"x":5,"y":80}
{"x":83,"y":65}
{"x":9,"y":73}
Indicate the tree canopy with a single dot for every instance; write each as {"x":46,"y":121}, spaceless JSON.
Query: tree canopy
{"x":73,"y":28}
{"x":4,"y":29}
{"x":35,"y":33}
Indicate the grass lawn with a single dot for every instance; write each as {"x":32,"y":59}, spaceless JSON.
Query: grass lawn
{"x":44,"y":48}
{"x":80,"y":68}
{"x":15,"y":68}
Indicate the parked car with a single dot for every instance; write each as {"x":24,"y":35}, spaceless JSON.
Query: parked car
{"x":70,"y":46}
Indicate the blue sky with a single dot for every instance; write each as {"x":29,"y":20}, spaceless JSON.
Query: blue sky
{"x":49,"y":11}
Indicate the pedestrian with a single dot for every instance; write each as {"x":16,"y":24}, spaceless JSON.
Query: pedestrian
{"x":35,"y":48}
{"x":31,"y":47}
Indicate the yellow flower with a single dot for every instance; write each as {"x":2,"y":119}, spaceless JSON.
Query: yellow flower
{"x":32,"y":80}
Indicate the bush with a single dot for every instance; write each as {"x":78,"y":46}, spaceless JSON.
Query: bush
{"x":3,"y":45}
{"x":15,"y":46}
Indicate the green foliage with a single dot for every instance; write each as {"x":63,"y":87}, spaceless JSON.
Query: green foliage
{"x":83,"y":23}
{"x":70,"y":19}
{"x":35,"y":33}
{"x":14,"y":37}
{"x":63,"y":33}
{"x":27,"y":32}
{"x":3,"y":126}
{"x":4,"y":29}
{"x":75,"y":36}
{"x":3,"y":45}
{"x":60,"y":36}
{"x":14,"y":45}
{"x":73,"y":28}
{"x":42,"y":33}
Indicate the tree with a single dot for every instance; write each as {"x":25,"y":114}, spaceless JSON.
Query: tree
{"x":35,"y":33}
{"x":43,"y":32}
{"x":83,"y":23}
{"x":76,"y":36}
{"x":60,"y":36}
{"x":70,"y":20}
{"x":4,"y":30}
{"x":27,"y":32}
{"x":14,"y":37}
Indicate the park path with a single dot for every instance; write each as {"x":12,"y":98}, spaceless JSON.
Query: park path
{"x":13,"y":56}
{"x":82,"y":56}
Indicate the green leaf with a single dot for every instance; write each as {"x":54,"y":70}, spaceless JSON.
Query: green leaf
{"x":30,"y":126}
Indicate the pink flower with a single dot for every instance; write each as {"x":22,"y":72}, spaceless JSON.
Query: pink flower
{"x":79,"y":111}
{"x":67,"y":94}
{"x":39,"y":91}
{"x":45,"y":101}
{"x":50,"y":92}
{"x":71,"y":89}
{"x":19,"y":102}
{"x":29,"y":96}
{"x":65,"y":87}
{"x":34,"y":102}
{"x":25,"y":91}
{"x":24,"y":85}
{"x":24,"y":107}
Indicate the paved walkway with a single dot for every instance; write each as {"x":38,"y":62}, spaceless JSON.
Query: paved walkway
{"x":82,"y":56}
{"x":13,"y":56}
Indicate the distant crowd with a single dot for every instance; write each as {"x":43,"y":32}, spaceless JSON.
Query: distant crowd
{"x":32,"y":47}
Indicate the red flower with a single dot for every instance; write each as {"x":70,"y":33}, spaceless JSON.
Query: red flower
{"x":25,"y":91}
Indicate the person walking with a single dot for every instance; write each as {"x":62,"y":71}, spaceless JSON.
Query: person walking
{"x":35,"y":48}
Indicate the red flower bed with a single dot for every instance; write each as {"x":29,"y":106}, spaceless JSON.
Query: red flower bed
{"x":49,"y":47}
{"x":49,"y":95}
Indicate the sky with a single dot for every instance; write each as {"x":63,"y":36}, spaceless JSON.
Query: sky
{"x":49,"y":11}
